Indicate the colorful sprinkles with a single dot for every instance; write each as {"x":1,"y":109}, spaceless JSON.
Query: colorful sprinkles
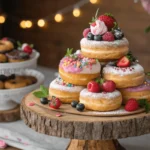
{"x":62,"y":82}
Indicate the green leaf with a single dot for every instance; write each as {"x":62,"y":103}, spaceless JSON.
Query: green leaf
{"x":131,"y":57}
{"x":39,"y":94}
{"x":69,"y":51}
{"x":94,"y":18}
{"x":109,"y":14}
{"x":144,"y":104}
{"x":19,"y":44}
{"x":100,"y":81}
{"x":147,"y":29}
{"x":31,"y":45}
{"x":147,"y":73}
{"x":97,"y":60}
{"x":44,"y":90}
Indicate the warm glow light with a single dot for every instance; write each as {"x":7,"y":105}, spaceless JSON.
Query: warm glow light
{"x":76,"y":12}
{"x":2,"y":19}
{"x":93,"y":1}
{"x":58,"y":17}
{"x":41,"y":23}
{"x":23,"y":24}
{"x":28,"y":24}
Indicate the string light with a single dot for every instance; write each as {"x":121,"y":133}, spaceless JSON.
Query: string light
{"x":58,"y":17}
{"x":93,"y":1}
{"x":76,"y":12}
{"x":41,"y":23}
{"x":23,"y":24}
{"x":2,"y":19}
{"x":28,"y":24}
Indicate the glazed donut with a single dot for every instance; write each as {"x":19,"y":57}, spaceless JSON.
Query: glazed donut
{"x":79,"y":70}
{"x":6,"y":46}
{"x":125,"y":77}
{"x":138,"y":92}
{"x":101,"y":101}
{"x":3,"y":58}
{"x":1,"y":85}
{"x":14,"y":83}
{"x":66,"y":92}
{"x":104,"y":50}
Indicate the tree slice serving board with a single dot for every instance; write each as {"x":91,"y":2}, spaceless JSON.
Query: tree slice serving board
{"x":66,"y":108}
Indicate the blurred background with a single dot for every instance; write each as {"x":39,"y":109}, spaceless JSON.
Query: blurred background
{"x":54,"y":38}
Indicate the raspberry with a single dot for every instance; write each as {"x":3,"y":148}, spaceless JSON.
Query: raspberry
{"x":108,"y":36}
{"x":131,"y":105}
{"x":86,"y":31}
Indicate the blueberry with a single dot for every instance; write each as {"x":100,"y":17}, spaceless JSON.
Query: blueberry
{"x":3,"y":77}
{"x":118,"y":34}
{"x":11,"y":76}
{"x":80,"y":107}
{"x":74,"y":103}
{"x":97,"y":37}
{"x":44,"y":100}
{"x":90,"y":36}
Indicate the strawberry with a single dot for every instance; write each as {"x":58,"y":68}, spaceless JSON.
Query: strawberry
{"x":108,"y":19}
{"x":123,"y":62}
{"x":93,"y":87}
{"x":131,"y":105}
{"x":86,"y":31}
{"x":26,"y":48}
{"x":109,"y":86}
{"x":108,"y":36}
{"x":93,"y":24}
{"x":55,"y":103}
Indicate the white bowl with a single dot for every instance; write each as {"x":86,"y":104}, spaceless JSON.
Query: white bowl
{"x":10,"y":68}
{"x":9,"y":98}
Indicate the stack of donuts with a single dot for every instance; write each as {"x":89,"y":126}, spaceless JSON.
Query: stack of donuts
{"x":104,"y":56}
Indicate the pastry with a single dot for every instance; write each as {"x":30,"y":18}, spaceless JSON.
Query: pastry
{"x":66,"y":92}
{"x":79,"y":70}
{"x":138,"y":92}
{"x":104,"y":40}
{"x":3,"y":58}
{"x":6,"y":46}
{"x":17,"y":56}
{"x":124,"y":76}
{"x":1,"y":85}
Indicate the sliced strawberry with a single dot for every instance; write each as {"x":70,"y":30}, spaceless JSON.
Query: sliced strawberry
{"x":123,"y":62}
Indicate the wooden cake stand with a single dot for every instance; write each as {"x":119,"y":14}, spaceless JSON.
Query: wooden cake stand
{"x":85,"y":132}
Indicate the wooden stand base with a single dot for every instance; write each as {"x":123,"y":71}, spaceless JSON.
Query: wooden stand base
{"x":94,"y":145}
{"x":10,"y":115}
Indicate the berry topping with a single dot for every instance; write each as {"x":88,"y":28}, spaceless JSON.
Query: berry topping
{"x":108,"y":19}
{"x":3,"y":77}
{"x":93,"y":24}
{"x":97,"y":37}
{"x":80,"y":107}
{"x":90,"y":36}
{"x":93,"y":87}
{"x":123,"y":62}
{"x":55,"y":103}
{"x":109,"y":86}
{"x":131,"y":105}
{"x":26,"y":48}
{"x":86,"y":31}
{"x":108,"y":36}
{"x":74,"y":103}
{"x":44,"y":100}
{"x":118,"y":34}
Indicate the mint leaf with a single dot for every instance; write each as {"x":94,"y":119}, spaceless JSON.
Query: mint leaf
{"x":31,"y":45}
{"x":19,"y":44}
{"x":147,"y":29}
{"x":69,"y":51}
{"x":44,"y":90}
{"x":100,"y":81}
{"x":39,"y":94}
{"x":144,"y":104}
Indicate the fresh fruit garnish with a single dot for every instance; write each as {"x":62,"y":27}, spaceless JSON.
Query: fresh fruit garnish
{"x":109,"y":20}
{"x":108,"y":36}
{"x":26,"y":48}
{"x":118,"y":34}
{"x":123,"y":62}
{"x":97,"y":37}
{"x":93,"y":87}
{"x":5,"y":39}
{"x":74,"y":103}
{"x":93,"y":24}
{"x":131,"y":105}
{"x":109,"y":86}
{"x":86,"y":31}
{"x":44,"y":100}
{"x":55,"y":103}
{"x":69,"y":51}
{"x":80,"y":107}
{"x":144,"y":104}
{"x":90,"y":36}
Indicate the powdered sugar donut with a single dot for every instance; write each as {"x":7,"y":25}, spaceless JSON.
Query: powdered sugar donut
{"x":138,"y":92}
{"x":79,"y":70}
{"x":101,"y":101}
{"x":66,"y":92}
{"x":104,"y":50}
{"x":125,"y":77}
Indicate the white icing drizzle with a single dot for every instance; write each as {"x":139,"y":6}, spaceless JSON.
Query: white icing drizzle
{"x":95,"y":44}
{"x":107,"y":95}
{"x":55,"y":85}
{"x":135,"y":68}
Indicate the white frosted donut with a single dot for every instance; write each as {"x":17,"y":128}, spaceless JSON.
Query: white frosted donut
{"x":101,"y":101}
{"x":66,"y":92}
{"x":125,"y":77}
